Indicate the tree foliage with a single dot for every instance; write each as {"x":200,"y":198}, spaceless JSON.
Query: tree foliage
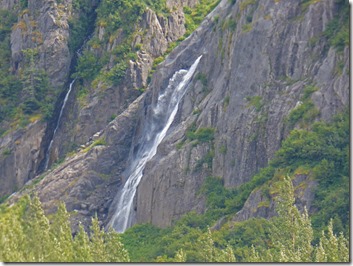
{"x":27,"y":235}
{"x":292,"y":235}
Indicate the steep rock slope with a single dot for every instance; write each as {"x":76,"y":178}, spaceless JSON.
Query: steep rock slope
{"x":98,"y":102}
{"x":83,"y":119}
{"x":42,"y":31}
{"x":54,"y":33}
{"x":258,"y":60}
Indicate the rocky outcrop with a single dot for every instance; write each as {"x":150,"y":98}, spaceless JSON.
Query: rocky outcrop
{"x":44,"y":26}
{"x":261,"y":204}
{"x":89,"y":180}
{"x":171,"y":4}
{"x":8,"y":4}
{"x":256,"y":63}
{"x":19,"y":157}
{"x":257,"y":59}
{"x":103,"y":103}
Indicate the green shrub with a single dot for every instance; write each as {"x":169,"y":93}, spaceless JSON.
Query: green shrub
{"x":6,"y":152}
{"x":256,"y":102}
{"x":247,"y":27}
{"x":308,"y":91}
{"x":223,"y":149}
{"x":117,"y":73}
{"x":306,"y":112}
{"x":203,"y":78}
{"x":244,"y":4}
{"x":98,"y":142}
{"x":201,"y":135}
{"x":207,"y":159}
{"x":143,"y":242}
{"x":337,"y":30}
{"x":88,"y":66}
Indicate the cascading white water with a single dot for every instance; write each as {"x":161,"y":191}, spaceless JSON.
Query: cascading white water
{"x":156,"y":128}
{"x":47,"y":156}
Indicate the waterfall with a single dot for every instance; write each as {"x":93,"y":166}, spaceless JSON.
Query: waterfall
{"x":156,"y":127}
{"x":47,"y":155}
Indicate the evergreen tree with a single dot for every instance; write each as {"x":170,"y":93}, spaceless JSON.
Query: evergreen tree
{"x":40,"y":245}
{"x":114,"y":248}
{"x":332,"y":248}
{"x":61,"y":235}
{"x":13,"y":241}
{"x":180,"y":256}
{"x":291,"y":232}
{"x":81,"y":246}
{"x":212,"y":254}
{"x":97,"y":242}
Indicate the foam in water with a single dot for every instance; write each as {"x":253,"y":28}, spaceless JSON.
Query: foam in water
{"x":156,"y":128}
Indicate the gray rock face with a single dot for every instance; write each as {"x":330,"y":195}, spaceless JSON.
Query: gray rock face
{"x":8,"y":4}
{"x":260,"y":205}
{"x":44,"y":26}
{"x":89,"y":180}
{"x":19,"y":157}
{"x":103,"y":102}
{"x":256,"y":61}
{"x":180,"y":3}
{"x":269,"y":59}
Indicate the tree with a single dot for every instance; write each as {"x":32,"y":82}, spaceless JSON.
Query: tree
{"x":81,"y":246}
{"x":37,"y":230}
{"x":292,"y":234}
{"x":332,"y":248}
{"x":212,"y":254}
{"x":114,"y":248}
{"x":61,"y":235}
{"x":97,"y":242}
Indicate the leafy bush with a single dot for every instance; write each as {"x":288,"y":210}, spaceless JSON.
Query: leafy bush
{"x":28,"y":236}
{"x":195,"y":16}
{"x":306,"y":112}
{"x":204,"y":134}
{"x":256,"y":102}
{"x":80,"y":24}
{"x":88,"y":66}
{"x":117,"y":73}
{"x":143,"y":242}
{"x":202,"y":78}
{"x":337,"y":30}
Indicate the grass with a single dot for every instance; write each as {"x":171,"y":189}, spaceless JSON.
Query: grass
{"x":99,"y":142}
{"x":205,"y":134}
{"x":256,"y":102}
{"x":306,"y":111}
{"x":6,"y":152}
{"x":247,"y":27}
{"x":243,"y":5}
{"x":226,"y":102}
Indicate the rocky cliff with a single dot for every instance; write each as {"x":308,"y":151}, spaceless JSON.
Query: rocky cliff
{"x":102,"y":102}
{"x":260,"y":60}
{"x":48,"y":28}
{"x":42,"y":26}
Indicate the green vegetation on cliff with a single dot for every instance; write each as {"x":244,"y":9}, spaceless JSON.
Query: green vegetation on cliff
{"x":323,"y":151}
{"x":27,"y":235}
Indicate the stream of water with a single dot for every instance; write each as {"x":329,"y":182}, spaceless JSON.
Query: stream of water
{"x":47,"y":155}
{"x":156,"y":127}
